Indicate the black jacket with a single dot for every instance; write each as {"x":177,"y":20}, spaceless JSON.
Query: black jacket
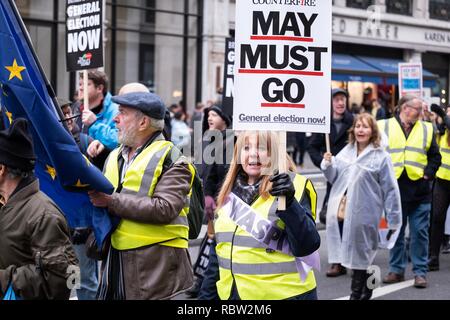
{"x":317,"y":145}
{"x":216,"y":172}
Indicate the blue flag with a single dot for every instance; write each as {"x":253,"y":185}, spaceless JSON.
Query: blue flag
{"x":64,"y":173}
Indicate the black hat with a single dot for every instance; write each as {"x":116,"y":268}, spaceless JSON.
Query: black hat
{"x":149,"y":103}
{"x":16,"y":146}
{"x":218,"y":109}
{"x":336,"y":91}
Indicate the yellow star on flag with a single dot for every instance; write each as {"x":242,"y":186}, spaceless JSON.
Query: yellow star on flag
{"x":51,"y":171}
{"x":87,"y":161}
{"x":15,"y":70}
{"x":10,"y":117}
{"x":80,"y":185}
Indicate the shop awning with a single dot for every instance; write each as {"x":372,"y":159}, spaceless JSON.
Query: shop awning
{"x":348,"y":68}
{"x":371,"y":69}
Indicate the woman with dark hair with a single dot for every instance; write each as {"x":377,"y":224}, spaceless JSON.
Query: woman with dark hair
{"x":364,"y":185}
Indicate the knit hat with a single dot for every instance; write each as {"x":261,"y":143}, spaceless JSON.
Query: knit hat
{"x":16,"y":146}
{"x":218,"y":109}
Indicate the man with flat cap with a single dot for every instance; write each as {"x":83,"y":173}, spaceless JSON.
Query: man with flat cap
{"x":152,"y":183}
{"x":36,"y":256}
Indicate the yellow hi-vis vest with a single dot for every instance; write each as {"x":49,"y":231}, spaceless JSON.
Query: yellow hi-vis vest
{"x":260,"y":274}
{"x":140,"y":180}
{"x":444,"y":170}
{"x":408,"y":154}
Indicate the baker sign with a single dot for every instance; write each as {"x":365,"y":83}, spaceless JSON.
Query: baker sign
{"x":283,"y":65}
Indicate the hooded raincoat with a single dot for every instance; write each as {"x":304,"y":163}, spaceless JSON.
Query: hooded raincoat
{"x":371,"y":189}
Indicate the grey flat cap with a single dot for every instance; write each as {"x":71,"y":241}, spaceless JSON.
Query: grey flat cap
{"x":150,"y":104}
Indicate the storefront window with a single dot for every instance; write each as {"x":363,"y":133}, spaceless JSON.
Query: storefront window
{"x":403,"y":7}
{"x":440,"y":9}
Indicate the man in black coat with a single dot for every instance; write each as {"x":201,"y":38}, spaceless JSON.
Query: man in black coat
{"x":342,"y":120}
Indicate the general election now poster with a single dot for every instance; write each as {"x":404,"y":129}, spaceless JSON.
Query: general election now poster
{"x":84,"y":34}
{"x":283,"y":65}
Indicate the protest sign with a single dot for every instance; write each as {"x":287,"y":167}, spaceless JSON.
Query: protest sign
{"x":283,"y":65}
{"x":84,"y":34}
{"x":410,"y":79}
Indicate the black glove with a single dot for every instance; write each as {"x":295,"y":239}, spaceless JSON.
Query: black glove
{"x":282,"y":186}
{"x":438,"y":110}
{"x":80,"y":235}
{"x":389,"y":234}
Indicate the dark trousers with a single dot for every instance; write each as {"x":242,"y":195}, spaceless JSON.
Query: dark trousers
{"x":441,"y":201}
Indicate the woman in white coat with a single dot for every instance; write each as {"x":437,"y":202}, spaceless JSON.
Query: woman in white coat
{"x":363,"y":172}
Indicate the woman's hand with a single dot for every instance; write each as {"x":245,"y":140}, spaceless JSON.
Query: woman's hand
{"x":327,"y":157}
{"x":282,"y":186}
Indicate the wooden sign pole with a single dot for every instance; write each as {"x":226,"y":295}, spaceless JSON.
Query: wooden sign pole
{"x":327,"y":141}
{"x":282,"y":165}
{"x":85,"y":91}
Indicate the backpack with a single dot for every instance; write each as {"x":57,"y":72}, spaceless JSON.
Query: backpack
{"x":196,"y":207}
{"x":197,"y":201}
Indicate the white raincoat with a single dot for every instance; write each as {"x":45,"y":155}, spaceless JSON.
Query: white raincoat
{"x":371,"y":189}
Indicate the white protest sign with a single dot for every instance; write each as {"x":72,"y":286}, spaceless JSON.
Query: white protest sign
{"x":410,"y":79}
{"x":283,"y":65}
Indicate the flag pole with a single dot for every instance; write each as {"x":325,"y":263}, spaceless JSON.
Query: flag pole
{"x":48,"y":86}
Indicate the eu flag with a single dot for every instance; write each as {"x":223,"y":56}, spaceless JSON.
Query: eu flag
{"x":64,"y":173}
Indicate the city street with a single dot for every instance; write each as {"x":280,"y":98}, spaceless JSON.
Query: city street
{"x":339,"y":288}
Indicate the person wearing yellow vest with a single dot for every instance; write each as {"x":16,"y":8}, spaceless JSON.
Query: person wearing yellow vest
{"x":441,"y":190}
{"x":415,"y":155}
{"x":258,"y":246}
{"x":362,"y":174}
{"x":148,"y":258}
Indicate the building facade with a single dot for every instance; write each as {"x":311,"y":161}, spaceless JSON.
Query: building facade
{"x":177,"y":47}
{"x":155,"y":42}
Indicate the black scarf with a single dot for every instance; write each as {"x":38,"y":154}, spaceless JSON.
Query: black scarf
{"x":241,"y":188}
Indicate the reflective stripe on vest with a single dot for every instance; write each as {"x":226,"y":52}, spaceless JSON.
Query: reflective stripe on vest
{"x":444,"y":169}
{"x":259,"y":273}
{"x":408,"y":154}
{"x":140,"y":180}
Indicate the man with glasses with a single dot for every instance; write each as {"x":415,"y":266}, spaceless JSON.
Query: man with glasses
{"x":416,"y":158}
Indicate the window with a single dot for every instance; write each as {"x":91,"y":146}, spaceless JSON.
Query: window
{"x":150,"y":14}
{"x":440,"y":9}
{"x":147,"y":63}
{"x":359,"y":4}
{"x":403,"y":7}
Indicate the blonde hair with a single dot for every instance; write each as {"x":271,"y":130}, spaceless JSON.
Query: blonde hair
{"x":266,"y":139}
{"x":375,"y":138}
